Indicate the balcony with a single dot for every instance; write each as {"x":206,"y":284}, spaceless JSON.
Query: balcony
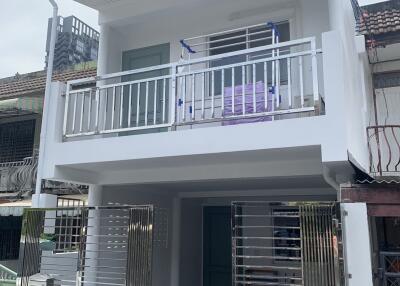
{"x":259,"y":84}
{"x":384,"y":150}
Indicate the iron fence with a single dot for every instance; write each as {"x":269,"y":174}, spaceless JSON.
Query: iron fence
{"x":264,"y":83}
{"x":384,"y":150}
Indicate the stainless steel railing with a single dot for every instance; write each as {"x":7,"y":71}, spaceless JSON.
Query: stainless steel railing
{"x":285,"y":244}
{"x":106,"y":245}
{"x":256,"y":84}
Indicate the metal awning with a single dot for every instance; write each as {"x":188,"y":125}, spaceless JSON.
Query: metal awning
{"x":14,"y":208}
{"x":21,"y":106}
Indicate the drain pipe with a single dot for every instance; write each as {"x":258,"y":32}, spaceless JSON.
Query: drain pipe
{"x":329,"y":178}
{"x":50,"y":60}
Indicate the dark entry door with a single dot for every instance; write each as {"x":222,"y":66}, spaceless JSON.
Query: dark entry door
{"x":217,"y":246}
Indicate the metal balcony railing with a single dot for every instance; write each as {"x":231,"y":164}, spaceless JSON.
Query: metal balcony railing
{"x":7,"y":276}
{"x":264,"y":83}
{"x":18,"y":176}
{"x":384,"y":150}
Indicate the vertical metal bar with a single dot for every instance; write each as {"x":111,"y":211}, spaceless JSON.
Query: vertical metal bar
{"x":113,"y":108}
{"x":150,"y":250}
{"x":82,"y":112}
{"x":289,"y":71}
{"x":90,"y":110}
{"x":183,"y":116}
{"x":146,"y":110}
{"x":265,"y":87}
{"x":74,"y":112}
{"x":163,"y":100}
{"x":278,"y":80}
{"x":174,"y":95}
{"x":254,"y":90}
{"x":233,"y":237}
{"x":203,"y":83}
{"x":243,"y":91}
{"x":273,"y":62}
{"x":222,"y":92}
{"x":301,"y":80}
{"x":320,"y":244}
{"x":105,"y":110}
{"x":121,"y":106}
{"x":308,"y":247}
{"x":193,"y":97}
{"x":66,"y":110}
{"x":155,"y":102}
{"x":314,"y":71}
{"x":212,"y":92}
{"x":138,"y":104}
{"x":302,"y":239}
{"x":130,"y":106}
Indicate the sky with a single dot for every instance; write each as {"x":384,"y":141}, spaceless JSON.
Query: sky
{"x":23,"y":29}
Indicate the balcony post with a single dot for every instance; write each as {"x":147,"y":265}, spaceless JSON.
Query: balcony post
{"x":173,"y":97}
{"x":315,"y":76}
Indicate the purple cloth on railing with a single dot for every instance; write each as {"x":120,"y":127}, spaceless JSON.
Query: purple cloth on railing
{"x":249,"y":104}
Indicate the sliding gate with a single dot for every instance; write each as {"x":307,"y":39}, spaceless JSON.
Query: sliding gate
{"x":284,"y":244}
{"x":87,"y":246}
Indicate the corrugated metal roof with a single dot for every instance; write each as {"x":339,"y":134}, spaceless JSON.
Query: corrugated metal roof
{"x":22,"y":86}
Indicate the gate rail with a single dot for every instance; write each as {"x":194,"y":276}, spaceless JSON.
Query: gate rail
{"x":285,"y":244}
{"x":110,"y":245}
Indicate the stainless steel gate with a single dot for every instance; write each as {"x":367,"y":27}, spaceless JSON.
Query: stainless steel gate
{"x":286,"y":244}
{"x":88,"y":245}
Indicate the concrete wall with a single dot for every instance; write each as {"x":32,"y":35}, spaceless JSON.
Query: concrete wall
{"x":357,"y":244}
{"x":307,"y":18}
{"x":353,"y":65}
{"x":162,"y":245}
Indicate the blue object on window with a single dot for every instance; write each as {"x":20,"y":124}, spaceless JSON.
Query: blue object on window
{"x":274,"y":27}
{"x":272,"y":89}
{"x":190,"y":109}
{"x":180,"y":102}
{"x":187,"y":47}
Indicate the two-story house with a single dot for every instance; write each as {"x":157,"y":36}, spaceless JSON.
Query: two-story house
{"x":214,"y":145}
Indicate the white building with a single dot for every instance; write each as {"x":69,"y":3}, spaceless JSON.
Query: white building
{"x":210,"y":111}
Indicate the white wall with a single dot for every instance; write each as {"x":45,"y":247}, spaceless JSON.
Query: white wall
{"x":164,"y":201}
{"x":357,"y":80}
{"x":357,"y":244}
{"x":342,"y":130}
{"x":307,"y":18}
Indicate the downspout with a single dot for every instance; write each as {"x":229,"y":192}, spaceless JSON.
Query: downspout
{"x":329,"y":178}
{"x":42,"y":144}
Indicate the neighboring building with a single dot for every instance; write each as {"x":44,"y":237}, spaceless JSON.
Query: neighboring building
{"x":21,"y":104}
{"x":219,"y":159}
{"x":76,"y":43}
{"x":380,"y":25}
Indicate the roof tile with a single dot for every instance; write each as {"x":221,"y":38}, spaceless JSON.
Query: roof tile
{"x":26,"y":86}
